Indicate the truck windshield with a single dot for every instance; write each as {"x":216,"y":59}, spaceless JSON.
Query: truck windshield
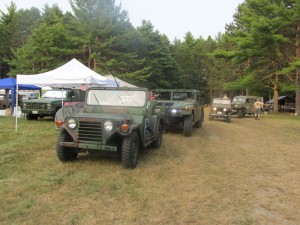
{"x":55,"y":94}
{"x":238,"y":99}
{"x":116,"y":98}
{"x":221,"y":101}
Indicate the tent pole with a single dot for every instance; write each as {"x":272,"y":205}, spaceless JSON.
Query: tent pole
{"x":16,"y":108}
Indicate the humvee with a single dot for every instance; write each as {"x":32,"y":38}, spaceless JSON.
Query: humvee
{"x":242,"y":105}
{"x":50,"y":102}
{"x":113,"y":120}
{"x":220,"y":108}
{"x":183,"y":107}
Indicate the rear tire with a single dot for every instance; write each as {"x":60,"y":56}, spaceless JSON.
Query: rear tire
{"x":130,"y":151}
{"x":65,"y":154}
{"x":188,"y":126}
{"x":240,"y":114}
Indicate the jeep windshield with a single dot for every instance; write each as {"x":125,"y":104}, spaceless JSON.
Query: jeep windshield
{"x":55,"y":94}
{"x":221,"y":101}
{"x":238,"y":100}
{"x":116,"y":98}
{"x":168,"y":95}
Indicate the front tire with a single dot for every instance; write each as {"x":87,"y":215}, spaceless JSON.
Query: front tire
{"x":188,"y":126}
{"x":130,"y":151}
{"x":65,"y":154}
{"x":228,"y":117}
{"x":158,"y":140}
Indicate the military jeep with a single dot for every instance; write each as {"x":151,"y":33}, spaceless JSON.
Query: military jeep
{"x":121,"y":121}
{"x":242,"y":105}
{"x":50,"y":102}
{"x":183,"y":108}
{"x":220,"y":108}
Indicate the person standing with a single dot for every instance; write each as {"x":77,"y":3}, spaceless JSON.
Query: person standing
{"x":258,"y":105}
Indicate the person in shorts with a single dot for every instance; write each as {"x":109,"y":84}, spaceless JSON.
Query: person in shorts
{"x":258,"y":105}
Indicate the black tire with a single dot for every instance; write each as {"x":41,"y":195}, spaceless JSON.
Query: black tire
{"x":130,"y":151}
{"x":228,"y":118}
{"x":198,"y":124}
{"x":158,"y":140}
{"x":240,"y":114}
{"x":65,"y":154}
{"x":32,"y":117}
{"x":188,"y":126}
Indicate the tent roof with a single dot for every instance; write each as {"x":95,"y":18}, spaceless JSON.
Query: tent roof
{"x":121,"y":82}
{"x":280,"y":98}
{"x":70,"y":75}
{"x":10,"y":83}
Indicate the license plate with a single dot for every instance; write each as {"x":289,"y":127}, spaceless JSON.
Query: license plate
{"x":219,"y":113}
{"x":34,"y":112}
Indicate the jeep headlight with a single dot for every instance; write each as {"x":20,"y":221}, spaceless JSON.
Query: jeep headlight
{"x":72,"y":123}
{"x":108,"y":125}
{"x":48,"y":106}
{"x":215,"y":108}
{"x":174,"y":111}
{"x":224,"y":109}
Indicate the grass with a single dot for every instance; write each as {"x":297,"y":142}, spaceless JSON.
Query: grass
{"x":209,"y":178}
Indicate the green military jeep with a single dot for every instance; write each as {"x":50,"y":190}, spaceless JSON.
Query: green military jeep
{"x":242,"y":105}
{"x":50,"y":102}
{"x":220,"y":108}
{"x":183,"y":107}
{"x":112,"y":120}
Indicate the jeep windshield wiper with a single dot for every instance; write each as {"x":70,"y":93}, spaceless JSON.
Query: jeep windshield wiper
{"x":96,"y":99}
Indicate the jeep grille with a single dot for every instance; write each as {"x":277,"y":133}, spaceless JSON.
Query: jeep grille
{"x":90,"y":131}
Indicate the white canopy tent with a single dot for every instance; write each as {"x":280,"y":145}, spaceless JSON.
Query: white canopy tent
{"x":70,"y":75}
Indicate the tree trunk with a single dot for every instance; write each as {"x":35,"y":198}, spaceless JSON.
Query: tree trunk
{"x":275,"y":98}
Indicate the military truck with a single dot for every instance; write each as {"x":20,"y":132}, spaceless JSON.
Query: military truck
{"x":121,"y":121}
{"x":50,"y":102}
{"x":242,"y":105}
{"x":220,"y":108}
{"x":183,"y":108}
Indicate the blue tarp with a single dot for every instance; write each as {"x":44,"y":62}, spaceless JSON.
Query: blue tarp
{"x":10,"y":83}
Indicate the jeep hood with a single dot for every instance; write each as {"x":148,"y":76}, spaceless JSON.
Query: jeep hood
{"x":45,"y":100}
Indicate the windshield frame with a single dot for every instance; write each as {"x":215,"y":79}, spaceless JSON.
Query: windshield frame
{"x":116,"y":98}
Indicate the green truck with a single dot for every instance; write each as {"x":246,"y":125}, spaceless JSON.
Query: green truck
{"x":183,"y":108}
{"x":50,"y":102}
{"x":113,"y":120}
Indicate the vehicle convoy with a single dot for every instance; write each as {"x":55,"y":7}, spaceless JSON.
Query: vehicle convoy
{"x":242,"y":105}
{"x":50,"y":102}
{"x":112,"y":120}
{"x":183,"y":108}
{"x":220,"y":108}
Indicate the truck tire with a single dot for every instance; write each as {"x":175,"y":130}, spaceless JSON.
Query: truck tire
{"x":65,"y":154}
{"x":158,"y":140}
{"x":32,"y":117}
{"x":188,"y":126}
{"x":198,"y":124}
{"x":240,"y":113}
{"x":228,"y":117}
{"x":130,"y":151}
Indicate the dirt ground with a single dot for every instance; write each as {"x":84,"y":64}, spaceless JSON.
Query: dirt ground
{"x":252,"y":166}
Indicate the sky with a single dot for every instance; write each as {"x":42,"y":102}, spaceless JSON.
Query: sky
{"x":173,"y":18}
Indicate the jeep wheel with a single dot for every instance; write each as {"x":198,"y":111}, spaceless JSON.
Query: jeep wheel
{"x":32,"y":117}
{"x":158,"y":140}
{"x":130,"y":151}
{"x":228,"y":117}
{"x":188,"y":126}
{"x":198,"y":124}
{"x":65,"y":154}
{"x":240,"y":114}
